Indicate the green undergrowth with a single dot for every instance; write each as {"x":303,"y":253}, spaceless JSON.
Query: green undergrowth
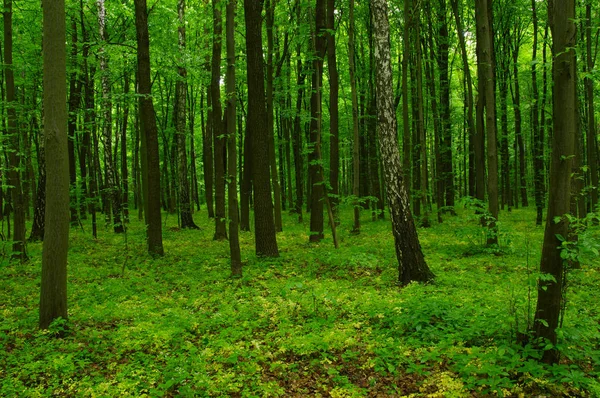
{"x":314,"y":322}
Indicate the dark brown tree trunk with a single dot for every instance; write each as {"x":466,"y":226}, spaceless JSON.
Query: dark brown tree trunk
{"x":150,"y":163}
{"x":39,"y":210}
{"x":218,"y":125}
{"x":406,"y":141}
{"x":246,"y":188}
{"x":485,"y":65}
{"x":412,"y":266}
{"x":53,"y":295}
{"x":234,"y":242}
{"x":314,"y":166}
{"x":264,"y":225}
{"x":185,"y":205}
{"x":561,"y":15}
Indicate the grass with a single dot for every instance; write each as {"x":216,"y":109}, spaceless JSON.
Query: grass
{"x":314,"y":322}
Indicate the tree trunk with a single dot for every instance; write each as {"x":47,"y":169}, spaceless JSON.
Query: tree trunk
{"x":124,"y":169}
{"x":334,"y":151}
{"x":314,"y":167}
{"x":538,"y":155}
{"x":14,"y":159}
{"x":218,"y":125}
{"x":264,"y":225}
{"x":74,"y":104}
{"x":561,"y":15}
{"x":355,"y":133}
{"x":234,"y":242}
{"x":270,"y":14}
{"x":207,"y":156}
{"x":592,"y":139}
{"x":485,"y":66}
{"x":150,"y":165}
{"x":53,"y":295}
{"x":412,"y":266}
{"x":297,"y":140}
{"x":185,"y":206}
{"x":406,"y":141}
{"x":114,"y":197}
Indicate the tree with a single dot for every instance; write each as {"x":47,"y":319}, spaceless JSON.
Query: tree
{"x":412,"y":265}
{"x":485,"y":67}
{"x":334,"y":151}
{"x":110,"y":182}
{"x":234,"y":243}
{"x":355,"y":133}
{"x":14,"y":158}
{"x":561,"y":14}
{"x":53,"y":296}
{"x":185,"y":208}
{"x":150,"y":158}
{"x":264,"y":225}
{"x":217,"y":124}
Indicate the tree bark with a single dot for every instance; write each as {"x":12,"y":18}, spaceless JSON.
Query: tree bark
{"x":53,"y":295}
{"x":561,"y":15}
{"x":485,"y":65}
{"x":334,"y":151}
{"x":185,"y":206}
{"x":264,"y":225}
{"x":412,"y":265}
{"x":14,"y":159}
{"x":355,"y":132}
{"x":234,"y":242}
{"x":218,"y":125}
{"x":150,"y":165}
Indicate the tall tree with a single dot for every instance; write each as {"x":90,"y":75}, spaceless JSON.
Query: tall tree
{"x":561,"y":14}
{"x":592,"y":140}
{"x":185,"y":206}
{"x":264,"y":225}
{"x":485,"y":66}
{"x":14,"y":158}
{"x":217,"y":123}
{"x":355,"y":131}
{"x":334,"y":146}
{"x":53,"y":296}
{"x":538,"y":140}
{"x":315,"y":169}
{"x":111,"y":183}
{"x":412,"y":265}
{"x":150,"y":160}
{"x":234,"y":242}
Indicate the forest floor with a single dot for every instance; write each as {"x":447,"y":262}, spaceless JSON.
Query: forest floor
{"x":314,"y":322}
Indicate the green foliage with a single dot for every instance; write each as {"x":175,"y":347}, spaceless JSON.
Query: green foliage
{"x":314,"y":321}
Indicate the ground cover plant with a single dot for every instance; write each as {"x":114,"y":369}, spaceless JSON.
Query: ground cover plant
{"x":314,"y":322}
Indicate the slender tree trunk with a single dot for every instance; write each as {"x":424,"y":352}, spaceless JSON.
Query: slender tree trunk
{"x":486,"y":72}
{"x":334,"y":151}
{"x":124,"y":169}
{"x":412,"y":265}
{"x":74,"y":104}
{"x":355,"y":133}
{"x":538,"y":155}
{"x":315,"y":168}
{"x":234,"y":243}
{"x":550,"y":299}
{"x":520,"y":146}
{"x":592,"y":139}
{"x":150,"y":164}
{"x":14,"y":159}
{"x":406,"y":51}
{"x":207,"y":156}
{"x":297,"y":140}
{"x":53,"y":295}
{"x":218,"y":125}
{"x":111,"y":185}
{"x":264,"y":225}
{"x":185,"y":205}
